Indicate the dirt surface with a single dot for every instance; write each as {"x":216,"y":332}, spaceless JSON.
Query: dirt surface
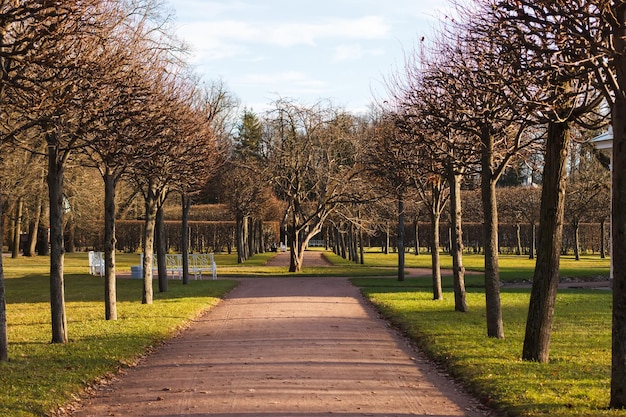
{"x":284,"y":347}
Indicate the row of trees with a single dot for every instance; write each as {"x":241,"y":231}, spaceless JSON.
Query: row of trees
{"x":507,"y":79}
{"x":101,"y":84}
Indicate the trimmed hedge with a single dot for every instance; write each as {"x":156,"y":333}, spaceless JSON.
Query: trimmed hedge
{"x":204,"y":236}
{"x":589,"y":233}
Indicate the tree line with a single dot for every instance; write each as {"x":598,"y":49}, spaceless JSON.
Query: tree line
{"x":104,"y":85}
{"x":503,"y":82}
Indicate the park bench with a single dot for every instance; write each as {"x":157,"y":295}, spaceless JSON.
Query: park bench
{"x":173,"y":265}
{"x":199,"y":263}
{"x":96,"y":263}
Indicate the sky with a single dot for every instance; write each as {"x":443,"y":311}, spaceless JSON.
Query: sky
{"x":342,"y":50}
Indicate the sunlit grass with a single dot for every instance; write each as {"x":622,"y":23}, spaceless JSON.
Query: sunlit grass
{"x":41,"y":376}
{"x":574,"y":383}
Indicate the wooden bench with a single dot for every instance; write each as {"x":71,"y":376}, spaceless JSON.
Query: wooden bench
{"x":96,"y":263}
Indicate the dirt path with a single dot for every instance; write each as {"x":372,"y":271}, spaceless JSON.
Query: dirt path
{"x":284,"y":347}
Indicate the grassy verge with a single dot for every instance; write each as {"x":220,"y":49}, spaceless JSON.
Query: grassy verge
{"x":574,"y":383}
{"x":39,"y":376}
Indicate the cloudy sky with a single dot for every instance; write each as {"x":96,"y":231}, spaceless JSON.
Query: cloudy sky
{"x":304,"y":50}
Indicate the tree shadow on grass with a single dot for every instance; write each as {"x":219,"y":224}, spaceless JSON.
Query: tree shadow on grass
{"x":35,"y":288}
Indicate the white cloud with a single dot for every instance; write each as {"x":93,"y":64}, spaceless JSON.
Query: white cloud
{"x":370,"y":27}
{"x":216,"y":34}
{"x":198,"y":10}
{"x":297,"y":78}
{"x":352,"y":52}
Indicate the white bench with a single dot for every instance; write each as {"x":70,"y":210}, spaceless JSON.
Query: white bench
{"x":199,"y":263}
{"x":96,"y":263}
{"x":202,"y":262}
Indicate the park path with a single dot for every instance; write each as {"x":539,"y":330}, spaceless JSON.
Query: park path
{"x":303,"y":347}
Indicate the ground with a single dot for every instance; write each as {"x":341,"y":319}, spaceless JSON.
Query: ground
{"x":284,"y":347}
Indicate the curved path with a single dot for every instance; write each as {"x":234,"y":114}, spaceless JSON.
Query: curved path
{"x":284,"y":347}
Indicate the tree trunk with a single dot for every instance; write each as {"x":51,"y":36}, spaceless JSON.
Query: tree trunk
{"x":546,"y":275}
{"x":148,"y":245}
{"x":533,"y":239}
{"x":110,"y":294}
{"x":33,"y":229}
{"x":602,"y":234}
{"x":4,"y":341}
{"x":576,"y":227}
{"x":343,"y":248}
{"x":261,"y":244}
{"x":518,"y":237}
{"x":417,"y":237}
{"x":460,"y":302}
{"x":17,"y":227}
{"x":295,"y":262}
{"x":355,"y":243}
{"x":618,"y":227}
{"x":57,"y":285}
{"x":245,"y":237}
{"x":300,"y":240}
{"x":239,"y":227}
{"x":43,"y":242}
{"x":161,"y":249}
{"x":251,"y":237}
{"x":400,"y":236}
{"x":70,"y":233}
{"x":361,"y":248}
{"x":349,"y":245}
{"x":495,"y":327}
{"x":352,"y":244}
{"x":387,"y":244}
{"x":436,"y":262}
{"x":186,"y":203}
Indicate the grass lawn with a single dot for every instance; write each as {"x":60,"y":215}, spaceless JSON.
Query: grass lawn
{"x":574,"y":383}
{"x":40,"y":376}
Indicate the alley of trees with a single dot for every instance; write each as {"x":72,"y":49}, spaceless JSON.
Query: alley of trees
{"x":488,"y":123}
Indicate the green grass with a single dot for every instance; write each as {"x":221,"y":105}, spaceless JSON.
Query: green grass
{"x":512,"y":268}
{"x":40,"y":376}
{"x":574,"y":383}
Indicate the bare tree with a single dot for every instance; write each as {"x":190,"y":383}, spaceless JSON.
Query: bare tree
{"x":564,"y":95}
{"x":49,"y":100}
{"x":393,"y":162}
{"x":166,"y":156}
{"x":245,"y":180}
{"x":313,"y":153}
{"x":608,"y":62}
{"x":205,"y":127}
{"x":118,"y":100}
{"x":427,"y":97}
{"x":588,"y":183}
